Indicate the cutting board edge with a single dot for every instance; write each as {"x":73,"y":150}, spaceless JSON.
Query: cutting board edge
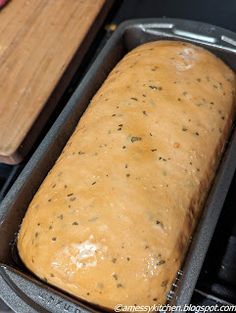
{"x":17,"y":154}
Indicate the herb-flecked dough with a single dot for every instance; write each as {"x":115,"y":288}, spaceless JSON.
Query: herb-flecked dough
{"x":112,"y":221}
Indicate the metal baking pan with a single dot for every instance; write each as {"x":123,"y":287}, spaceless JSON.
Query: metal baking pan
{"x":19,"y":288}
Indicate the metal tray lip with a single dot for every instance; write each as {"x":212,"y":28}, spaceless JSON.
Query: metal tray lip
{"x":150,"y":22}
{"x":6,"y":281}
{"x":153,"y":20}
{"x":36,"y":157}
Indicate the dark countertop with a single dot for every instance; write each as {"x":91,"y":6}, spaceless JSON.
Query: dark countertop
{"x":218,"y":12}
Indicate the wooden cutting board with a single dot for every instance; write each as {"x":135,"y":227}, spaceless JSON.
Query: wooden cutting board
{"x":41,"y":43}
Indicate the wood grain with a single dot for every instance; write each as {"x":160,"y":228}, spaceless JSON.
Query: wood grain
{"x":38,"y":39}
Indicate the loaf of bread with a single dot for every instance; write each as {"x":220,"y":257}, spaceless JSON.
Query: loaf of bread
{"x":112,"y":221}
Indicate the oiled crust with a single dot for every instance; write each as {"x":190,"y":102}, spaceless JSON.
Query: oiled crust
{"x":112,"y":221}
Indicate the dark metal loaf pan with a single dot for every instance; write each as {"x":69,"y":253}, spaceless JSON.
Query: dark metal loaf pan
{"x":20,"y":289}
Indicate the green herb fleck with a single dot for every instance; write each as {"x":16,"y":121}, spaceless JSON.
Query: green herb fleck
{"x":154,"y":68}
{"x":115,"y":276}
{"x":164,"y":283}
{"x":161,"y":262}
{"x":134,"y":138}
{"x":153,"y":87}
{"x":119,"y":285}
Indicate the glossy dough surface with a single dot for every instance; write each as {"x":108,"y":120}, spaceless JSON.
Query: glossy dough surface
{"x":112,"y":220}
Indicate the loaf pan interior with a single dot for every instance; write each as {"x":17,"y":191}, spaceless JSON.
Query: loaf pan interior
{"x":18,"y":285}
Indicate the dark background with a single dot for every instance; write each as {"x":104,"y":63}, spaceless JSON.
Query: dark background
{"x":218,"y":12}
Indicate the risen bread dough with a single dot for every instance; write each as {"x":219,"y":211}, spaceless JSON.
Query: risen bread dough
{"x":112,"y":220}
